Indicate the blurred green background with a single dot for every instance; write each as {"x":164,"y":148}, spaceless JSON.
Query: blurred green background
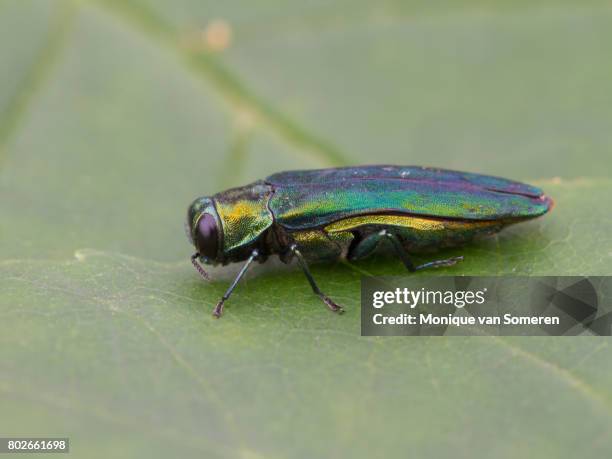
{"x":114,"y":115}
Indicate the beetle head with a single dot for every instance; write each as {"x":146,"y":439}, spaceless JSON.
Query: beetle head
{"x":204,"y":230}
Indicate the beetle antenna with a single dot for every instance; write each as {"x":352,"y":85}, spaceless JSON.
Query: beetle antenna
{"x":198,"y":267}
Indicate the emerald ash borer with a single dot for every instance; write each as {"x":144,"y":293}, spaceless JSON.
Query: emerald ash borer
{"x":347,"y":212}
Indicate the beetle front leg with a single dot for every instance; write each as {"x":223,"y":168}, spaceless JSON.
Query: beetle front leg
{"x":315,"y":288}
{"x":403,"y":255}
{"x":219,"y":308}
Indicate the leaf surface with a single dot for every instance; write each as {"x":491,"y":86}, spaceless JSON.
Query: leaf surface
{"x":112,"y":119}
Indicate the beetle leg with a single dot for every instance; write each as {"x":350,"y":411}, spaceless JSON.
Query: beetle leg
{"x":440,"y":263}
{"x":315,"y":288}
{"x":399,"y":250}
{"x":219,"y":308}
{"x":403,"y":255}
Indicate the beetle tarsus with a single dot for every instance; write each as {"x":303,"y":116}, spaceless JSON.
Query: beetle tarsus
{"x":440,"y":263}
{"x":218,"y":309}
{"x":331,"y":304}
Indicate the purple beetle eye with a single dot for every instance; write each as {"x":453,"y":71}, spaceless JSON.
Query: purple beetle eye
{"x":206,"y":237}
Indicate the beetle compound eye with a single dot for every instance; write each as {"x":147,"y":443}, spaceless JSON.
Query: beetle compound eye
{"x":206,"y":236}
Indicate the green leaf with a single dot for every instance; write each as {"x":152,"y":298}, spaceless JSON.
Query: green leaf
{"x":112,"y":119}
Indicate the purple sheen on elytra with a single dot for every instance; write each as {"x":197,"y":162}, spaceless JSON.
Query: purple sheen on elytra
{"x":305,"y":198}
{"x":388,"y":172}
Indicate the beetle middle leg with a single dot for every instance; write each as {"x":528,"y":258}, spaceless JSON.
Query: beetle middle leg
{"x":315,"y":288}
{"x":369,"y":244}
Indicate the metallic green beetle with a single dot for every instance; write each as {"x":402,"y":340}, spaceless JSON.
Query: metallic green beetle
{"x":326,"y":214}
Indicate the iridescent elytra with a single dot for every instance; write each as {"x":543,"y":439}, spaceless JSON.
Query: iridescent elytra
{"x":347,"y":212}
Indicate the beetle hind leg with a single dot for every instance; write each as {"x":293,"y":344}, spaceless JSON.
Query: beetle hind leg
{"x":403,"y":255}
{"x":369,"y":244}
{"x":440,"y":263}
{"x":315,"y":288}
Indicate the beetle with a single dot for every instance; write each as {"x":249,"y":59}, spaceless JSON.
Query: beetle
{"x":347,"y":212}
